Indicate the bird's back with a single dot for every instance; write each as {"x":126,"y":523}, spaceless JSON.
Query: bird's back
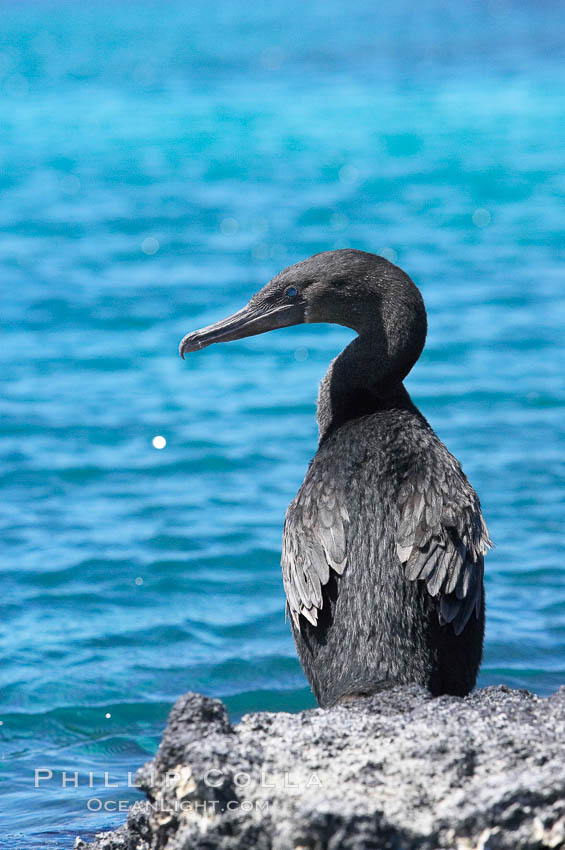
{"x":381,"y":491}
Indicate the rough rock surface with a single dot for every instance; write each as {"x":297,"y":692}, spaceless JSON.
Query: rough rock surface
{"x":398,"y":770}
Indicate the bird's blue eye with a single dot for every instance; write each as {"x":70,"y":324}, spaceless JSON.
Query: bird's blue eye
{"x":291,"y":291}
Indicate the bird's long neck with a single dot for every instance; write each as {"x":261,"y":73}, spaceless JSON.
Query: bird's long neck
{"x":363,"y":379}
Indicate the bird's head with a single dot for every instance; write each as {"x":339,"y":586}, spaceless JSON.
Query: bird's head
{"x":347,"y":287}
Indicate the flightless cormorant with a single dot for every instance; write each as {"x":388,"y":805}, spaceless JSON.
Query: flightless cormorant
{"x":382,"y":554}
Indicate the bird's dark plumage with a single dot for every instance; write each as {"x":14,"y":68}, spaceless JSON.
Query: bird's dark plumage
{"x":383,"y":546}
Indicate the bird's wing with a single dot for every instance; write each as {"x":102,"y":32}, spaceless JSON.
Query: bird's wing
{"x":314,"y":542}
{"x":442,"y":539}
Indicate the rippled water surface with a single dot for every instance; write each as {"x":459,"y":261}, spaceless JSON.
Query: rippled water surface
{"x":158,"y":164}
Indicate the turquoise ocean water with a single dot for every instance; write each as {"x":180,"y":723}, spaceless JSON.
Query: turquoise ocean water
{"x":158,"y":164}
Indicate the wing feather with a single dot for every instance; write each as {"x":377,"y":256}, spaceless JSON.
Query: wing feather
{"x":314,"y":545}
{"x":442,"y":539}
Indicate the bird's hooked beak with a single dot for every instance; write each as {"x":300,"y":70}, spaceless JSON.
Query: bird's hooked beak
{"x":254,"y":318}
